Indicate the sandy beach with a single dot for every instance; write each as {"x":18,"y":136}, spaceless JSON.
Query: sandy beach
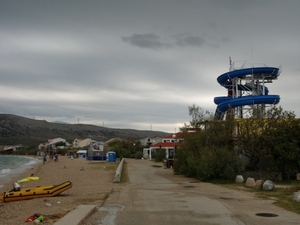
{"x":92,"y":183}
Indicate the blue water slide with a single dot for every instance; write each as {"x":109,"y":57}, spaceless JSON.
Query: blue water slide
{"x":225,"y":80}
{"x":267,"y":72}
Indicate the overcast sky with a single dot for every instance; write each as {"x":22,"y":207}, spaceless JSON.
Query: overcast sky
{"x":135,"y":63}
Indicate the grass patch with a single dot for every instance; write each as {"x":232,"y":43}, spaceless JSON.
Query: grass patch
{"x":220,"y":181}
{"x":282,"y":195}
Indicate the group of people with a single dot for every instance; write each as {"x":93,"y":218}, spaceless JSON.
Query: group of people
{"x":55,"y":158}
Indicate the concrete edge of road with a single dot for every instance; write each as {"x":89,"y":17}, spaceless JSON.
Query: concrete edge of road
{"x":76,"y":216}
{"x":117,"y":177}
{"x":81,"y":212}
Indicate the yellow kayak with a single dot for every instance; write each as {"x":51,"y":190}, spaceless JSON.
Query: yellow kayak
{"x":28,"y":179}
{"x":36,"y":192}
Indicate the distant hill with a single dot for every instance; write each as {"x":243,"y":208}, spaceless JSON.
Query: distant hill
{"x":21,"y":130}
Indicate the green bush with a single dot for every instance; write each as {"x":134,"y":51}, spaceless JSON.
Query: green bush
{"x":160,"y":155}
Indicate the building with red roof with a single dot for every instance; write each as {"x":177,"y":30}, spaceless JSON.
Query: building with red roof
{"x":170,"y":143}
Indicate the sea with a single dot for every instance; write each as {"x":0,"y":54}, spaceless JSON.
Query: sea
{"x":14,"y":165}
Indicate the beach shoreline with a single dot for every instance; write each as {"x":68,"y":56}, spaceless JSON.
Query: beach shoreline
{"x":92,"y":183}
{"x":32,"y":169}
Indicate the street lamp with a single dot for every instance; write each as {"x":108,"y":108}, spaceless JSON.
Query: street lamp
{"x":149,"y":143}
{"x":206,"y":121}
{"x":174,"y":140}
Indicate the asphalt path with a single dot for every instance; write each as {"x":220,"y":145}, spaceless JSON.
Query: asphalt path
{"x":154,"y":195}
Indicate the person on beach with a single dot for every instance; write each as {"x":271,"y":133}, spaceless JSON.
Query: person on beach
{"x":56,"y":157}
{"x":16,"y":186}
{"x":44,"y":159}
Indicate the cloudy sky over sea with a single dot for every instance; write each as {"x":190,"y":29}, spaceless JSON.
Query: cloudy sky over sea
{"x":135,"y":63}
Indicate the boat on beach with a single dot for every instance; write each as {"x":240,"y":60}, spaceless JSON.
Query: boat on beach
{"x":35,"y":192}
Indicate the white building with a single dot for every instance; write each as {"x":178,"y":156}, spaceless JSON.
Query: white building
{"x":170,"y":143}
{"x":82,"y":142}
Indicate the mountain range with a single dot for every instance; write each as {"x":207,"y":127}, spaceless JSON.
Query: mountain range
{"x":16,"y":130}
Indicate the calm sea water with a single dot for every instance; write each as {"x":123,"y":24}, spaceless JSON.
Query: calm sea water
{"x":13,"y":165}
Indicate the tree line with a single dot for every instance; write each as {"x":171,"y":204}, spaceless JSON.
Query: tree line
{"x":266,"y":141}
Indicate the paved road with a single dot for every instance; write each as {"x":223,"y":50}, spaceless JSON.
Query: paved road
{"x":156,"y":196}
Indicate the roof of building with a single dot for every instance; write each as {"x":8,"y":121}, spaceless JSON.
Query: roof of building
{"x":165,"y":145}
{"x":177,"y":135}
{"x":81,"y":152}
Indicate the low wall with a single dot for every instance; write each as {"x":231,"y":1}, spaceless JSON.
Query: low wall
{"x":117,"y":177}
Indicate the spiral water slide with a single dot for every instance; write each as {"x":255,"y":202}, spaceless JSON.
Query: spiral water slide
{"x":259,"y":93}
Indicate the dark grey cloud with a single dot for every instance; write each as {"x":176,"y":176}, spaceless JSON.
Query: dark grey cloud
{"x":148,"y":40}
{"x":135,"y":63}
{"x":190,"y":40}
{"x":153,"y":41}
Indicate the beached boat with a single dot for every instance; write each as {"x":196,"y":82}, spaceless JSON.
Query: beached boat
{"x":36,"y":192}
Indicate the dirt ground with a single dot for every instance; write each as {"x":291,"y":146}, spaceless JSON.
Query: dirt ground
{"x":92,"y":182}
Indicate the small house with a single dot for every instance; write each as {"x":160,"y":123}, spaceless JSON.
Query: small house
{"x":82,"y":153}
